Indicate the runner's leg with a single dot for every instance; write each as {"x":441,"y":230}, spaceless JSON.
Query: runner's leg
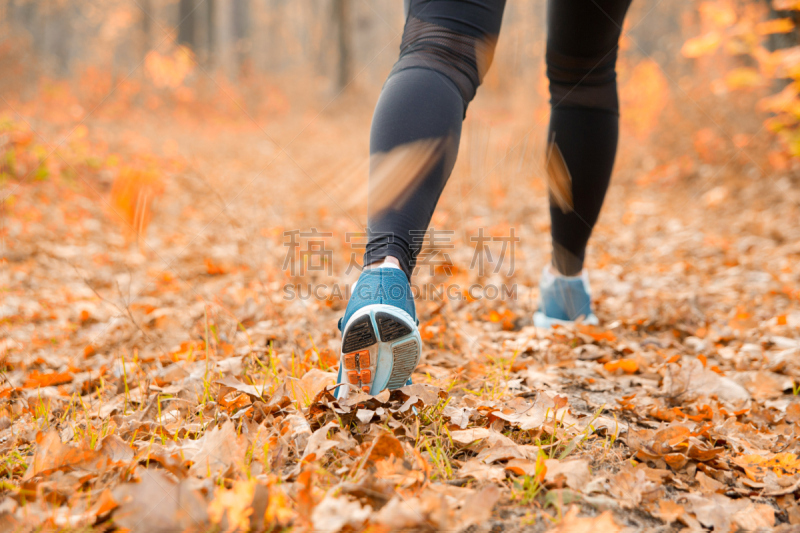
{"x":582,"y":38}
{"x":447,"y":48}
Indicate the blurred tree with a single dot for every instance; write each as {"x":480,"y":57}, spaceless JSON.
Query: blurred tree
{"x":146,"y":26}
{"x":341,"y":16}
{"x":776,"y":41}
{"x":186,"y":23}
{"x":242,"y":15}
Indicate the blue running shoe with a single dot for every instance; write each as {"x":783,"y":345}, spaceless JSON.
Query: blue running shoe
{"x":563,"y":300}
{"x":381,"y":345}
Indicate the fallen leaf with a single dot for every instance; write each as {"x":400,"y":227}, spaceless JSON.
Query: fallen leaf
{"x":629,"y":366}
{"x":157,"y":503}
{"x":691,"y":380}
{"x":479,"y":470}
{"x":756,"y":466}
{"x":332,"y":514}
{"x":218,"y":449}
{"x":383,"y":447}
{"x":630,"y":487}
{"x":36,"y":379}
{"x":233,"y":505}
{"x":319,"y":443}
{"x":574,"y":472}
{"x":669,"y":511}
{"x":572,"y":523}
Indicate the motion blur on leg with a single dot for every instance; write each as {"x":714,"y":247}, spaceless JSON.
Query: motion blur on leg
{"x":447,"y":48}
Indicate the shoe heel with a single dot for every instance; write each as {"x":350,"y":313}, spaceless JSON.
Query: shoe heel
{"x":406,"y":356}
{"x":381,"y":347}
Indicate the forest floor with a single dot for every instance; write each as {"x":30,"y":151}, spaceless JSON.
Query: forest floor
{"x":164,"y":368}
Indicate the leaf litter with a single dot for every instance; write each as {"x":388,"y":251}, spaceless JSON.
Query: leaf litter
{"x":149,"y":397}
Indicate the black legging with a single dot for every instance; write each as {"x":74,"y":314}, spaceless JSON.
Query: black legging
{"x":447,"y":48}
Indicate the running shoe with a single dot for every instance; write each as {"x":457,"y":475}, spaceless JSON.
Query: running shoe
{"x":381,"y":345}
{"x":563,"y":300}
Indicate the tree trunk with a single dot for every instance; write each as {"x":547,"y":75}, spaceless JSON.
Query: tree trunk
{"x":341,"y":16}
{"x":146,"y":27}
{"x":242,"y":16}
{"x":186,"y":23}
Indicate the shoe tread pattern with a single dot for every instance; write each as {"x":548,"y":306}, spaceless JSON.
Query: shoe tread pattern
{"x":390,"y":327}
{"x":359,"y":335}
{"x":405,"y":360}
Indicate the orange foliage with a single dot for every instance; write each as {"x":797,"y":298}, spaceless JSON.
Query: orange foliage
{"x":629,"y":366}
{"x":169,"y":71}
{"x":644,"y":96}
{"x":738,"y":31}
{"x":36,"y":379}
{"x":132,"y":196}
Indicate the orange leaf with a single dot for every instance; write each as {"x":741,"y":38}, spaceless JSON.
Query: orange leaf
{"x":597,"y":333}
{"x":743,"y":78}
{"x":35,"y":379}
{"x":756,"y":466}
{"x":700,"y":46}
{"x":718,"y":14}
{"x":629,"y":366}
{"x":768,"y":27}
{"x":676,"y":460}
{"x":132,"y":196}
{"x":212,"y":268}
{"x":385,"y":446}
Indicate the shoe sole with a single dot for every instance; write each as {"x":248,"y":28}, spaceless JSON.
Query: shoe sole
{"x":381,"y":347}
{"x":540,"y":320}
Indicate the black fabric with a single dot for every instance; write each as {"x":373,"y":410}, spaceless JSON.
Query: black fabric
{"x":581,"y":56}
{"x":415,"y":105}
{"x":587,"y":139}
{"x":582,"y":40}
{"x":464,"y":59}
{"x":446,"y":50}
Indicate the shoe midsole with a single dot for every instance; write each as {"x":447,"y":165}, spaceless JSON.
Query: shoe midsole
{"x":392,"y":362}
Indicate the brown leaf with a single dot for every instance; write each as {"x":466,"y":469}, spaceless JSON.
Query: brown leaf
{"x":669,"y":511}
{"x":526,"y":467}
{"x":334,"y":513}
{"x":631,"y":486}
{"x":218,"y":449}
{"x":666,"y":440}
{"x":691,"y":380}
{"x":383,"y":447}
{"x":721,"y":513}
{"x":239,"y":508}
{"x":319,"y":443}
{"x":709,"y":484}
{"x":477,"y":507}
{"x":406,"y":514}
{"x":394,"y":174}
{"x":231,"y":383}
{"x":304,"y":390}
{"x":572,"y":523}
{"x":116,"y":449}
{"x":575,"y":473}
{"x":479,"y":470}
{"x":51,"y":455}
{"x":417,"y":392}
{"x":158,"y":504}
